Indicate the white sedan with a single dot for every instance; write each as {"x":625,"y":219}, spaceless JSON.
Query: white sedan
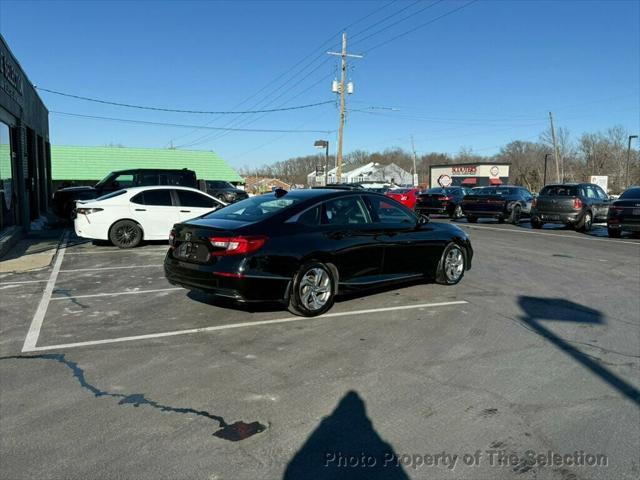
{"x":128,"y":216}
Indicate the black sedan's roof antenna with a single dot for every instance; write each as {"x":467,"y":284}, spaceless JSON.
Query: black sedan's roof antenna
{"x":280,"y":192}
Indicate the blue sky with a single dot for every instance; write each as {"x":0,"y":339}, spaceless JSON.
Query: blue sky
{"x":477,"y":79}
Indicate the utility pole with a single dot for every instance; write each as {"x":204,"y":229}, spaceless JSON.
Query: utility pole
{"x":626,"y":178}
{"x":342,"y":91}
{"x":555,"y":148}
{"x":544,"y":178}
{"x":415,"y":172}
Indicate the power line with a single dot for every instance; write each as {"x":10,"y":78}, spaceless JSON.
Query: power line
{"x":234,"y":123}
{"x":452,"y":121}
{"x":288,"y":72}
{"x":422,"y":25}
{"x":181,"y":125}
{"x":388,"y":17}
{"x":433,"y":4}
{"x":174,"y":110}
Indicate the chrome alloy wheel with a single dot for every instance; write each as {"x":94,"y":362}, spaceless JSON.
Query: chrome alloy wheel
{"x":454,"y":264}
{"x":126,"y":234}
{"x":315,"y":289}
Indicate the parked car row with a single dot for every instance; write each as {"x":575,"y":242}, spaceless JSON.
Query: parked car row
{"x":576,"y":205}
{"x":304,"y":247}
{"x":64,"y":198}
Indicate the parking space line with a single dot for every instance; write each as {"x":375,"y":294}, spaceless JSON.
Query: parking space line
{"x":119,"y":251}
{"x":583,"y":237}
{"x":132,"y":292}
{"x":24,"y":281}
{"x":244,"y":324}
{"x":109,"y":268}
{"x":38,"y":317}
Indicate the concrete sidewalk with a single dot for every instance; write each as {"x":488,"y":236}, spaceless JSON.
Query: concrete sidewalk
{"x":33,"y":252}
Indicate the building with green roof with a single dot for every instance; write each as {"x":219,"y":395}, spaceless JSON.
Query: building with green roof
{"x":88,"y":165}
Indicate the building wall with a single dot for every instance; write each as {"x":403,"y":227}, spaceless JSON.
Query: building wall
{"x":25,"y":163}
{"x":482,"y":172}
{"x":86,"y":165}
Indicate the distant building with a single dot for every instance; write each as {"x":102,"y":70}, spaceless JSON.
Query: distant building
{"x":72,"y":165}
{"x":258,"y":185}
{"x":25,"y":166}
{"x":470,"y":175}
{"x":371,"y":172}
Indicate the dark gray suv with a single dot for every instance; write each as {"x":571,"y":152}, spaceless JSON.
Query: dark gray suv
{"x":577,"y":205}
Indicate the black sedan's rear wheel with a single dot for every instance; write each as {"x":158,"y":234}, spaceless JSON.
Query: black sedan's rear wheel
{"x":125,"y":234}
{"x":614,"y":233}
{"x":456,"y":212}
{"x":585,"y":224}
{"x":515,"y":215}
{"x":451,"y":266}
{"x":313,"y":290}
{"x":472,"y":219}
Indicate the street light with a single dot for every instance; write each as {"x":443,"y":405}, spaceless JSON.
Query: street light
{"x":324,"y":144}
{"x":544,"y":179}
{"x":629,"y":159}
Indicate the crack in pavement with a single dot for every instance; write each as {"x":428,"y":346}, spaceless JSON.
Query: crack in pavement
{"x":233,"y":432}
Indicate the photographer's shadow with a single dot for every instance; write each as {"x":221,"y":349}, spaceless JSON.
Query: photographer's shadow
{"x":344,"y":446}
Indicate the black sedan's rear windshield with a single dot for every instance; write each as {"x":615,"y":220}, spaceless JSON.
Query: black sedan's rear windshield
{"x":632,"y":193}
{"x":559,"y":191}
{"x":447,"y":191}
{"x":254,"y":209}
{"x":492,"y":191}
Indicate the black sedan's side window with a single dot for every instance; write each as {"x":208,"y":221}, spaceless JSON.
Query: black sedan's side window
{"x":384,"y":211}
{"x":344,"y":211}
{"x":311,"y":217}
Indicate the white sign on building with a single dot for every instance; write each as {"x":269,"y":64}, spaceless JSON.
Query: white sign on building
{"x":601,"y":180}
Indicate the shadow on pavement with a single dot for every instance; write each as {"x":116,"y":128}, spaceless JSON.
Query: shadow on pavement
{"x":224,"y":302}
{"x":345,"y":446}
{"x":255,"y":307}
{"x":540,"y":309}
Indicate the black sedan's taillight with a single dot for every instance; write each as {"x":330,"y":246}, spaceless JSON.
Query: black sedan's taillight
{"x":615,"y":211}
{"x":240,"y":245}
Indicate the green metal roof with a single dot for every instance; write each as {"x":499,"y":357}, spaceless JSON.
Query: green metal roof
{"x":94,"y":163}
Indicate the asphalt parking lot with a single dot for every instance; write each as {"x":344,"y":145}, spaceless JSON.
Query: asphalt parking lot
{"x":108,"y":371}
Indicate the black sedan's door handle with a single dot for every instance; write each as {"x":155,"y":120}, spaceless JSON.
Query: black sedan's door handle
{"x":141,"y":209}
{"x":339,"y":235}
{"x":185,"y":211}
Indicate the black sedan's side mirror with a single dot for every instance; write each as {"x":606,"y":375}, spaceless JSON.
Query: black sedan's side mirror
{"x":423,"y":220}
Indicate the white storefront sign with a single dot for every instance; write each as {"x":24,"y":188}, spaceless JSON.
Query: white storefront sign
{"x":452,"y":173}
{"x":601,"y":180}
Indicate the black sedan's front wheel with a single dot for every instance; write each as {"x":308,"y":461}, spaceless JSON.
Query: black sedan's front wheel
{"x":313,"y":290}
{"x":451,"y":266}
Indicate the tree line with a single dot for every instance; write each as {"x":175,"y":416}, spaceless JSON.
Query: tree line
{"x":600,"y":153}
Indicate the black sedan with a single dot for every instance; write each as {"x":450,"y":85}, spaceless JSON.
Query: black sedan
{"x":446,"y":201}
{"x":502,"y":203}
{"x":624,"y":213}
{"x":304,"y":247}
